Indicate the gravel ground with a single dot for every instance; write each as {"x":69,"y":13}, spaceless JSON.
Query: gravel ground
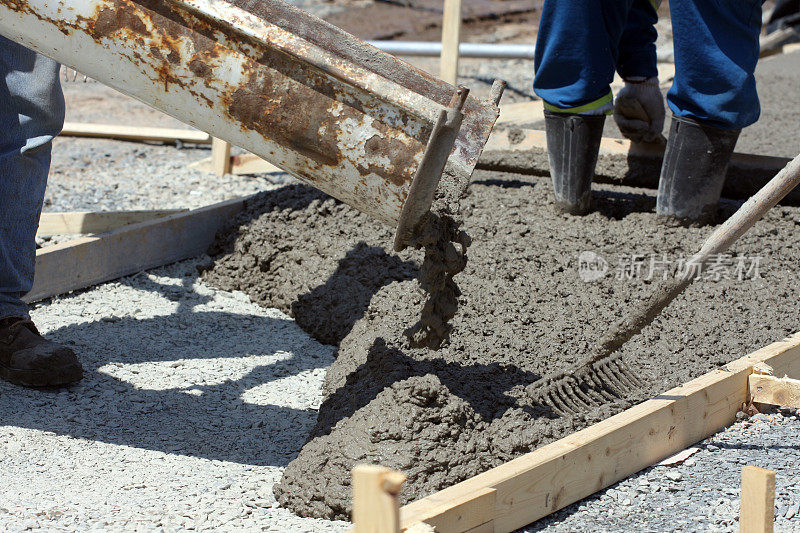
{"x":702,"y":493}
{"x":195,"y":399}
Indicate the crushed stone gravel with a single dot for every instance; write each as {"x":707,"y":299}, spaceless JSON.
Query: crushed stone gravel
{"x":702,"y":493}
{"x":193,"y":402}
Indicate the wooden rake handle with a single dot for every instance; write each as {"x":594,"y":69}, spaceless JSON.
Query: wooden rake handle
{"x":750,"y":212}
{"x":719,"y":241}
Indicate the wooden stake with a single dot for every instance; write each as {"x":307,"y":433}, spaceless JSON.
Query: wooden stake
{"x":375,"y":505}
{"x":220,"y":156}
{"x":451,"y":38}
{"x":757,"y":511}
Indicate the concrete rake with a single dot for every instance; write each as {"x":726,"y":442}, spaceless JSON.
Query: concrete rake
{"x":604,"y":376}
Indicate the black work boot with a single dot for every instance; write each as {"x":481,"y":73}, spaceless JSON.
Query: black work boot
{"x":573,"y":142}
{"x":27,"y":358}
{"x":693,"y":172}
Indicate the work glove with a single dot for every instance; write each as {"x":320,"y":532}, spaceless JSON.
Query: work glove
{"x":639,"y":111}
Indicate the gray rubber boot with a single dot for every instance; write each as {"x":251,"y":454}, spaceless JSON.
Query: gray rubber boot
{"x":573,"y":142}
{"x":693,"y":172}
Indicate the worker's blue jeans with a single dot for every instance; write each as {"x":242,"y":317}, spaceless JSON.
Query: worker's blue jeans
{"x":580,"y":45}
{"x":31,"y":114}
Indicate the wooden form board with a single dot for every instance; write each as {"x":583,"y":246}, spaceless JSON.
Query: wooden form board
{"x":530,"y":487}
{"x":84,"y":222}
{"x":624,"y":163}
{"x":90,"y":260}
{"x":134,"y":133}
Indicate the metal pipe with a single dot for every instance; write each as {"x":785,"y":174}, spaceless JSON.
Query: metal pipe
{"x":434,"y":49}
{"x":342,"y":116}
{"x":479,"y":50}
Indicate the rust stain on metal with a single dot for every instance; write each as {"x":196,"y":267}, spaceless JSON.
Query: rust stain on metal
{"x":111,"y":20}
{"x":307,"y":113}
{"x":277,"y":96}
{"x":200,"y":68}
{"x":404,"y":159}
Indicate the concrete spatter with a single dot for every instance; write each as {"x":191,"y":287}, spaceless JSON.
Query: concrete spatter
{"x":524,"y":312}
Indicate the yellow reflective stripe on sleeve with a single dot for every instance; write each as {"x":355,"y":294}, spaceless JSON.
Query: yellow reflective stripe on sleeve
{"x":600,"y":102}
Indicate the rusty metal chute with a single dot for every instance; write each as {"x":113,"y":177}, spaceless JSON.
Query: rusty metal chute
{"x":314,"y":100}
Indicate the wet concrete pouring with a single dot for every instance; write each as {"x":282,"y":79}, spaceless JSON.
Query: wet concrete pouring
{"x":529,"y":304}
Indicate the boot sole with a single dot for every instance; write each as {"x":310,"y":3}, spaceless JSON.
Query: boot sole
{"x":52,"y":378}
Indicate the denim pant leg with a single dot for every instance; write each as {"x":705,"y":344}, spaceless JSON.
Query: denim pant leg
{"x":716,"y":50}
{"x":31,"y":114}
{"x":581,"y":43}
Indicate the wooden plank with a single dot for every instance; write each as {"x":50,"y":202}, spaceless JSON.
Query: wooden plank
{"x":220,"y":156}
{"x":451,"y":37}
{"x":488,"y":527}
{"x":243,"y":164}
{"x":375,"y":505}
{"x":83,"y":222}
{"x":783,"y":392}
{"x":558,"y":474}
{"x":519,"y":113}
{"x":757,"y":509}
{"x":90,"y":260}
{"x":472,"y":512}
{"x":134,"y":133}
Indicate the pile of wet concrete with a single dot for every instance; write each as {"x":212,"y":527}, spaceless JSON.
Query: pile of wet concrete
{"x":526,"y":309}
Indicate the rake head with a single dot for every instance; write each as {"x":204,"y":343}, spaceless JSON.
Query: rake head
{"x":586,"y":386}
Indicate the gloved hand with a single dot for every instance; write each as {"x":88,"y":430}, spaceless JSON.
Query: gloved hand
{"x":639,"y":111}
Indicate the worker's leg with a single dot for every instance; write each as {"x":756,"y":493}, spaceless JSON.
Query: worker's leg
{"x":712,"y":97}
{"x":576,"y":53}
{"x":31,"y":114}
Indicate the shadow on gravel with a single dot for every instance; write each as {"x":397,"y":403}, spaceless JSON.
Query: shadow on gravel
{"x":200,"y":411}
{"x":746,"y":446}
